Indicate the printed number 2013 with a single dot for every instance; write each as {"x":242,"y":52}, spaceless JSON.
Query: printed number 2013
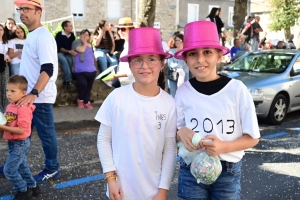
{"x":230,"y":124}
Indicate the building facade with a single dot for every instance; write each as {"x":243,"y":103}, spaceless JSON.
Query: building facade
{"x":171,"y":15}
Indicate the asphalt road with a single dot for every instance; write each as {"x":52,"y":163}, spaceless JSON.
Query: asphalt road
{"x":271,"y":170}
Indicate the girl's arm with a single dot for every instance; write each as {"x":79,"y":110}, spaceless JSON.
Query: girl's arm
{"x":13,"y":54}
{"x":113,"y":43}
{"x":168,"y":166}
{"x":106,"y":158}
{"x":217,"y":147}
{"x":98,"y":38}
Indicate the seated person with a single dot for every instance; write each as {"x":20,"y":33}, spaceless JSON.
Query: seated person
{"x":64,"y":40}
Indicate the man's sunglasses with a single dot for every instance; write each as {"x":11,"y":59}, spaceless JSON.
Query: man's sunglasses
{"x":122,"y":29}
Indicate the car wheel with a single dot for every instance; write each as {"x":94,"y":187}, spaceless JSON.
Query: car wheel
{"x":277,"y":110}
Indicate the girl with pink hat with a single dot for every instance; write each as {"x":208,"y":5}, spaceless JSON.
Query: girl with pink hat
{"x":218,"y":108}
{"x":136,"y":140}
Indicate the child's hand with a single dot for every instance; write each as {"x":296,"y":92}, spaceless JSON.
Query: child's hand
{"x":114,"y":192}
{"x":185,"y":134}
{"x":161,"y":195}
{"x":215,"y":147}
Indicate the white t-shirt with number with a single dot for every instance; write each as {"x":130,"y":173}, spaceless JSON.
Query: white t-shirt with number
{"x":40,"y":48}
{"x":140,"y":126}
{"x":16,"y":44}
{"x":227,"y":114}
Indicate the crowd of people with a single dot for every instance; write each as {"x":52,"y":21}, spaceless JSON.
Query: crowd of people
{"x":142,"y":150}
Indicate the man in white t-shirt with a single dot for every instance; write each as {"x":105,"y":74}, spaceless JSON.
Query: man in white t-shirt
{"x":40,"y":67}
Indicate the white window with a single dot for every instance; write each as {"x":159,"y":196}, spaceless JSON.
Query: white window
{"x":77,"y":8}
{"x":193,"y":12}
{"x":113,"y":9}
{"x":230,"y":15}
{"x":212,"y":6}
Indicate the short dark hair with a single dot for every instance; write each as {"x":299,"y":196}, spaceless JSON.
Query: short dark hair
{"x":85,"y":31}
{"x":65,"y":23}
{"x":19,"y":80}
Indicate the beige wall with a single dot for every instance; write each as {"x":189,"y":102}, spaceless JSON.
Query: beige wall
{"x":7,"y":10}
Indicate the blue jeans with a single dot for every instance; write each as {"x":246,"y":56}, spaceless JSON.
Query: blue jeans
{"x":227,"y":186}
{"x":104,"y":60}
{"x":66,"y":62}
{"x":15,"y":168}
{"x":15,"y":69}
{"x":44,"y":122}
{"x":254,"y":44}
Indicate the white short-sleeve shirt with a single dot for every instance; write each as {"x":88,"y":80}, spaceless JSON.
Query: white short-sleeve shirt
{"x":16,"y":44}
{"x":40,"y":48}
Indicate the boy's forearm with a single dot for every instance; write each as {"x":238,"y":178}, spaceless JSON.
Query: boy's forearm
{"x":14,"y":130}
{"x":245,"y":142}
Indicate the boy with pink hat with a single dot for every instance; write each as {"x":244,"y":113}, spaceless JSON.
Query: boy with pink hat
{"x":136,"y":140}
{"x":218,"y":108}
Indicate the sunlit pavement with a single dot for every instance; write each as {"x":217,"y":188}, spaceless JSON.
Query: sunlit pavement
{"x":271,"y":170}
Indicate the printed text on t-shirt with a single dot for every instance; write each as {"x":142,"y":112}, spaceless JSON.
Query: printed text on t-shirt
{"x":208,"y":125}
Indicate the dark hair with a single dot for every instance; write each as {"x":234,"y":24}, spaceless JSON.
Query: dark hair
{"x":85,"y":31}
{"x":8,"y":32}
{"x":180,"y":35}
{"x":14,"y":35}
{"x":65,"y":24}
{"x":4,"y":36}
{"x":212,"y":14}
{"x":107,"y":35}
{"x":18,"y":80}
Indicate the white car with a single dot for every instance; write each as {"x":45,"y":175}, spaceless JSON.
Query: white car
{"x":273,"y":79}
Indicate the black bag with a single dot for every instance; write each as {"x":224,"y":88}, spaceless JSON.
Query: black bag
{"x":172,"y":74}
{"x":2,"y":63}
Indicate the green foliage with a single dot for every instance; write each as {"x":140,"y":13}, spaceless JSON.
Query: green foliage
{"x":25,"y":28}
{"x":284,"y":14}
{"x":58,"y":29}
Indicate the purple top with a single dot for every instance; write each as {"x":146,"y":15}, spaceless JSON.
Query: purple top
{"x":88,"y":65}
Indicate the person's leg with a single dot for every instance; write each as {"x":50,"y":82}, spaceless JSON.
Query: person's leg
{"x":188,"y":188}
{"x":65,"y":67}
{"x":17,"y":155}
{"x":15,"y":69}
{"x":101,"y":58}
{"x":90,"y":77}
{"x":82,"y":85}
{"x":187,"y":74}
{"x":112,"y":60}
{"x":70,"y":62}
{"x":25,"y":171}
{"x":44,"y":122}
{"x":172,"y":87}
{"x":227,"y":185}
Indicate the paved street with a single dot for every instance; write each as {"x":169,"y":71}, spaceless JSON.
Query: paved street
{"x":271,"y":170}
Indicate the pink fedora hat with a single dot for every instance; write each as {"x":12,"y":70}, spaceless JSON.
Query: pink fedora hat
{"x":37,"y":3}
{"x":144,"y":40}
{"x":200,"y":34}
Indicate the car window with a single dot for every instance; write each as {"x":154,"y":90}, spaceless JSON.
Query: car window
{"x":262,"y":62}
{"x":296,"y":66}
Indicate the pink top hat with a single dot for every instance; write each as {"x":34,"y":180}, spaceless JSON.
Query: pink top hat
{"x":200,"y":34}
{"x":144,"y":40}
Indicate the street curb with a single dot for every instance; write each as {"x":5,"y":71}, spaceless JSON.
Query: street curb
{"x":68,"y":125}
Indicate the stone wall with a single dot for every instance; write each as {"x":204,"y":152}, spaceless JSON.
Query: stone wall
{"x":69,"y":96}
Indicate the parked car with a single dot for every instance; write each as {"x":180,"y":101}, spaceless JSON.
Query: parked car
{"x":273,"y":79}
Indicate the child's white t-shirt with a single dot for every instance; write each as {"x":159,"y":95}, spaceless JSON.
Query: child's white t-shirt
{"x":140,"y":126}
{"x":16,"y":44}
{"x":227,"y":114}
